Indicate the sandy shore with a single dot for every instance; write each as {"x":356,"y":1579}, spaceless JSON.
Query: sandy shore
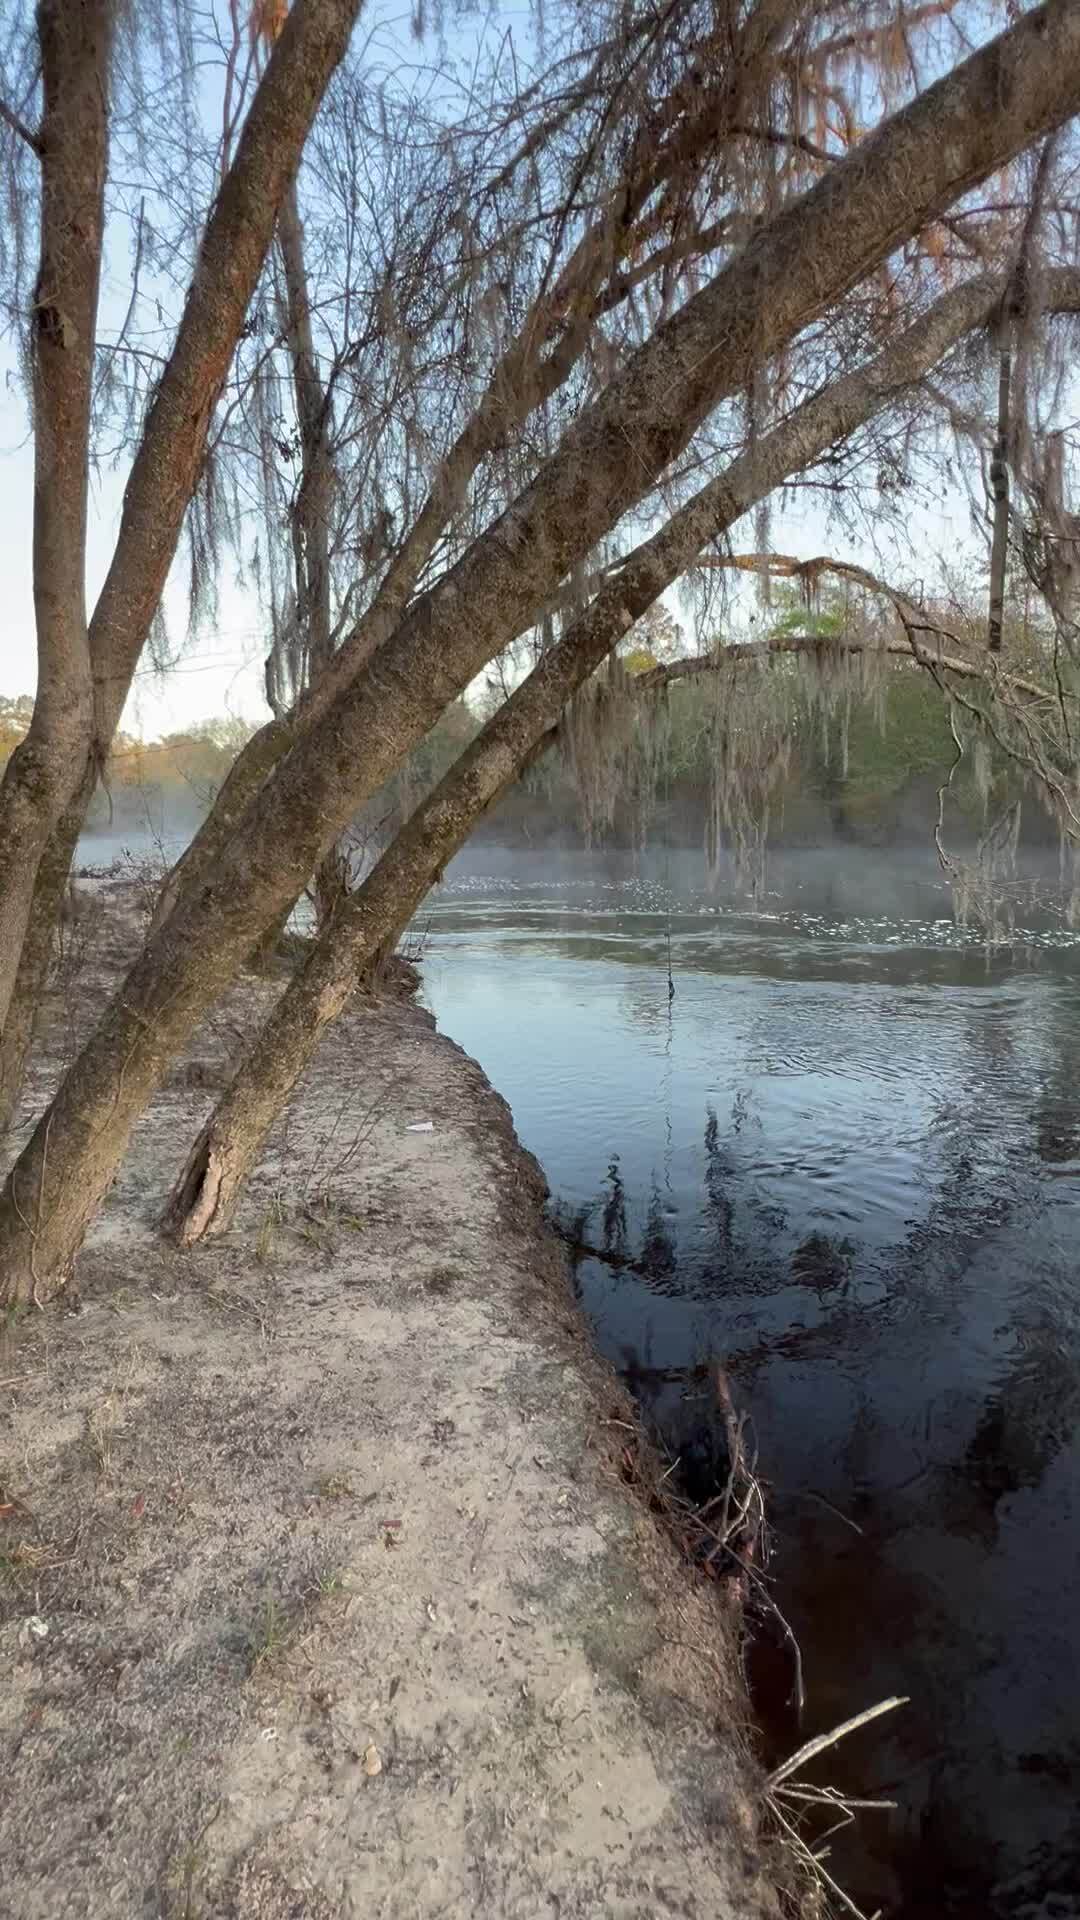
{"x":320,"y":1591}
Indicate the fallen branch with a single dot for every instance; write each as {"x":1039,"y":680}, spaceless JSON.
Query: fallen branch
{"x":825,"y":1740}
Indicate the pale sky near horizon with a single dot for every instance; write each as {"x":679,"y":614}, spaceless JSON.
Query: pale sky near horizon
{"x":221,"y":672}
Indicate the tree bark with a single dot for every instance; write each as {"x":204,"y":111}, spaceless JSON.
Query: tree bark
{"x":256,"y":759}
{"x":372,"y":918}
{"x":999,"y":486}
{"x":37,"y":956}
{"x":166,"y":466}
{"x":311,"y":508}
{"x":962,"y":128}
{"x":46,"y":768}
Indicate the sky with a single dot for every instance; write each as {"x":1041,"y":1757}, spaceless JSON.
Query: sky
{"x":221,"y":672}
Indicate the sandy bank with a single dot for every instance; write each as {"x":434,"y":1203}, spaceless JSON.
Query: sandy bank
{"x":320,"y":1592}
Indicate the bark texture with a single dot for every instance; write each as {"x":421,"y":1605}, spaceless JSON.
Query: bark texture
{"x":46,"y":768}
{"x":38,"y":953}
{"x":255,"y":760}
{"x":963,"y":128}
{"x":999,"y":487}
{"x":375,"y":914}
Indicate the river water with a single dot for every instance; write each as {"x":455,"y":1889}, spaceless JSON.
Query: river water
{"x":844,"y":1160}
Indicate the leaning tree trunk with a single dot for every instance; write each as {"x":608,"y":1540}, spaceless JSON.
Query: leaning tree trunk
{"x":166,"y":467}
{"x":310,"y":517}
{"x":37,"y":956}
{"x":256,"y":759}
{"x":999,"y":487}
{"x":370,"y":919}
{"x":46,"y":768}
{"x":794,"y":268}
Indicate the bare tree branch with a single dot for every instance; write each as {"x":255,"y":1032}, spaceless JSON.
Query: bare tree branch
{"x":32,"y":139}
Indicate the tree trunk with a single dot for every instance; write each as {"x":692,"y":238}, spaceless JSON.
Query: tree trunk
{"x":46,"y":768}
{"x":36,"y":959}
{"x":256,"y":759}
{"x":559,"y":319}
{"x":999,"y":486}
{"x":953,"y":135}
{"x":371,"y":919}
{"x":311,"y":508}
{"x":67,"y":743}
{"x":234,"y":248}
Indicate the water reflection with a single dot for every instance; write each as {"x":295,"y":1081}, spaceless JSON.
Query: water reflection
{"x":846,"y":1161}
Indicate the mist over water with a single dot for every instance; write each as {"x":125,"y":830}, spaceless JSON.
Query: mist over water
{"x":145,"y":826}
{"x":844,"y":1159}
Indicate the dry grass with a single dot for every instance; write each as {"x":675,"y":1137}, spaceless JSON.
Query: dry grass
{"x":282,"y":1627}
{"x":102,"y":1423}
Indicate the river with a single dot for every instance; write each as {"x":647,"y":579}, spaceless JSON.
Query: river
{"x":843,"y":1157}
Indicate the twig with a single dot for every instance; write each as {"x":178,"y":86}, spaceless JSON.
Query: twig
{"x":810,"y":1494}
{"x":32,"y":139}
{"x":815,"y":1865}
{"x":824,"y":1740}
{"x":116,"y":345}
{"x":796,"y":1650}
{"x":832,"y":1797}
{"x":939,"y":825}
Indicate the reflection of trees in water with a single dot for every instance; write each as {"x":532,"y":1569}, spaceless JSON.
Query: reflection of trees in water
{"x":1056,"y":1113}
{"x":1025,"y":1422}
{"x":1057,"y":1134}
{"x":719,"y":1172}
{"x":614,"y":1209}
{"x":745,"y":1242}
{"x":745,"y":1247}
{"x":659,"y":1250}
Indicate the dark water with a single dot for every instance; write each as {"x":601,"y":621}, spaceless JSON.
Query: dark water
{"x":848,"y":1157}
